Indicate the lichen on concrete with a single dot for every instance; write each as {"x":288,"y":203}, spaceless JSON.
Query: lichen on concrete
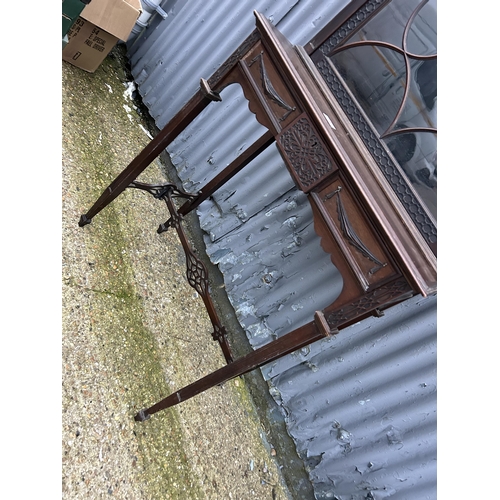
{"x":133,"y":329}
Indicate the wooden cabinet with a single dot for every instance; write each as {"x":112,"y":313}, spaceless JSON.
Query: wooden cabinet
{"x":371,"y":219}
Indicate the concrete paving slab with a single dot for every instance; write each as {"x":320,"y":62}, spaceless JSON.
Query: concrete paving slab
{"x":134,"y":330}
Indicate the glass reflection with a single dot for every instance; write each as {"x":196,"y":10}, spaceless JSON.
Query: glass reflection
{"x":390,"y":66}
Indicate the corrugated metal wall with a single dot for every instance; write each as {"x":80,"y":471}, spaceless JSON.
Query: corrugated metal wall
{"x":360,"y":407}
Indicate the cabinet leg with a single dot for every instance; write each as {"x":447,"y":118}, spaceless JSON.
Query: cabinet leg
{"x":290,"y":342}
{"x":192,"y":109}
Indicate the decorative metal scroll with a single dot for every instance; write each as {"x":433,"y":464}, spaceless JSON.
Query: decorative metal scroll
{"x":269,"y":89}
{"x":196,"y":273}
{"x":160,"y":191}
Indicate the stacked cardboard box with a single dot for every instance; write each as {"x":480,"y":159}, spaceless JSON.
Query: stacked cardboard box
{"x":101,"y":24}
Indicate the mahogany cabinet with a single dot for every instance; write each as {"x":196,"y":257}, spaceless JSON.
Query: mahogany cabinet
{"x":370,"y":181}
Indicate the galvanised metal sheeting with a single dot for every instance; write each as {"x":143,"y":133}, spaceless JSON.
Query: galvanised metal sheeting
{"x":202,"y":36}
{"x":276,"y":273}
{"x":361,"y":406}
{"x":172,"y":55}
{"x":260,"y":232}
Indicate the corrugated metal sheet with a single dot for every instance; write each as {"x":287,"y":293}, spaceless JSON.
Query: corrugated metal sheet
{"x":198,"y":36}
{"x":376,"y":379}
{"x":361,"y":406}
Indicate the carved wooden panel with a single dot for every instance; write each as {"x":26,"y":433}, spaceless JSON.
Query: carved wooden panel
{"x":385,"y":161}
{"x":382,"y":297}
{"x":234,"y":59}
{"x":269,"y":87}
{"x":305,"y":154}
{"x":355,"y":236}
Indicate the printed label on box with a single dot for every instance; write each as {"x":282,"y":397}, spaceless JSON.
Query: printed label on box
{"x":88,"y":45}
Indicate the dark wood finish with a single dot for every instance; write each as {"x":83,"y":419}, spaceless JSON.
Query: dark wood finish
{"x":299,"y":338}
{"x":381,"y":256}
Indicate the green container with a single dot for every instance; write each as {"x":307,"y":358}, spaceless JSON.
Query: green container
{"x":71,"y":9}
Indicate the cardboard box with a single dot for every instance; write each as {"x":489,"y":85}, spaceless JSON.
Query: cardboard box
{"x":100,"y":25}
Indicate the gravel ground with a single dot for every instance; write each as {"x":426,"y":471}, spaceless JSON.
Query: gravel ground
{"x":133,"y":330}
